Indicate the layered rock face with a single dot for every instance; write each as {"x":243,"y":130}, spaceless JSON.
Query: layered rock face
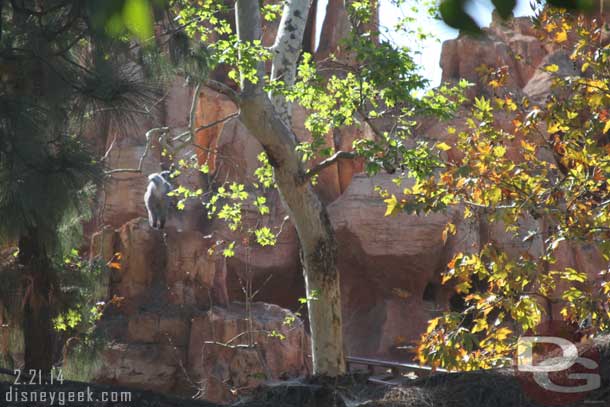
{"x":514,"y":45}
{"x":202,"y":354}
{"x":181,"y":323}
{"x":175,"y":329}
{"x":390,"y":268}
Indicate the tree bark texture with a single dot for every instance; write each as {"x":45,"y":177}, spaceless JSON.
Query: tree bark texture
{"x":266,"y":117}
{"x":37,"y":289}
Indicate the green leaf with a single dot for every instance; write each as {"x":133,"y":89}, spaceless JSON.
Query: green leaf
{"x":260,"y":203}
{"x":229,"y":251}
{"x":454,"y":15}
{"x":137,"y":17}
{"x":504,"y":7}
{"x":265,"y":237}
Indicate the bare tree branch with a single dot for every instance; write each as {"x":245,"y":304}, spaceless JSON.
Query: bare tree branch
{"x":149,"y":135}
{"x":186,"y":137}
{"x":224,"y":89}
{"x":206,"y":126}
{"x":193,"y":111}
{"x":216,"y":122}
{"x":105,"y":157}
{"x":328,"y":162}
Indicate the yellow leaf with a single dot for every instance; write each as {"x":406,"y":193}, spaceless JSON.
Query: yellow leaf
{"x":476,"y":195}
{"x":585,"y":66}
{"x":596,"y":86}
{"x":553,"y":128}
{"x":503,"y":333}
{"x":499,"y":151}
{"x":480,"y":325}
{"x":552,"y":68}
{"x":561,"y":36}
{"x":528,"y":146}
{"x":463,"y":287}
{"x":446,"y":278}
{"x":448,"y":229}
{"x":607,"y":127}
{"x":443,"y":146}
{"x":451,"y":265}
{"x":446,"y":178}
{"x":494,"y":83}
{"x":392,"y":205}
{"x":494,"y":195}
{"x":484,"y":148}
{"x":595,"y":100}
{"x":432,"y":325}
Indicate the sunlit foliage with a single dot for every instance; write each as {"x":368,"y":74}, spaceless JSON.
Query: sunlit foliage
{"x":550,"y":170}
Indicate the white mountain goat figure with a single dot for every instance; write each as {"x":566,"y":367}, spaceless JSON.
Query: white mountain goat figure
{"x":156,"y":199}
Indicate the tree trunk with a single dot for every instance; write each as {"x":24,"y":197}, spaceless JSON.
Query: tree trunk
{"x":286,"y":51}
{"x":269,"y":122}
{"x":37,"y":289}
{"x":313,"y":227}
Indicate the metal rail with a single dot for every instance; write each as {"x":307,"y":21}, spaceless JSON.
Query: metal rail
{"x":395,"y":371}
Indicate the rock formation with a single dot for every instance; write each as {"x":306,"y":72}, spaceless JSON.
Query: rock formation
{"x":182,"y":303}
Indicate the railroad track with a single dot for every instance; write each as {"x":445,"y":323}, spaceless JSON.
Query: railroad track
{"x":389,"y":372}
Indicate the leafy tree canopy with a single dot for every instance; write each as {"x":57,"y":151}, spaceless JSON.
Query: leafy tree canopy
{"x":550,"y":171}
